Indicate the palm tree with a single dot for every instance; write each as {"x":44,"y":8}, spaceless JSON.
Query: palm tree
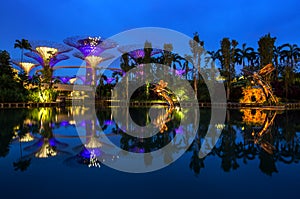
{"x":228,"y":60}
{"x":197,"y":49}
{"x":290,"y":54}
{"x":22,"y":44}
{"x":276,"y":60}
{"x":245,"y":53}
{"x":214,"y":56}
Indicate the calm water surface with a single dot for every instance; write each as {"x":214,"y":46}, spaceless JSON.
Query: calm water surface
{"x":43,"y":154}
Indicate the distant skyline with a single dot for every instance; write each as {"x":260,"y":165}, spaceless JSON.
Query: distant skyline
{"x":244,"y":21}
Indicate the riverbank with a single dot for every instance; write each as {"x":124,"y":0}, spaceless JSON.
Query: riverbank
{"x":229,"y":105}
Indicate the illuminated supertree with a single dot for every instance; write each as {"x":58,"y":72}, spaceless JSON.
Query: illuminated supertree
{"x":137,"y":53}
{"x":26,"y":65}
{"x":91,"y":49}
{"x":48,"y":54}
{"x":63,"y":80}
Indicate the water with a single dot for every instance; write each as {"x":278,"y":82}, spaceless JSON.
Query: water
{"x":42,"y":155}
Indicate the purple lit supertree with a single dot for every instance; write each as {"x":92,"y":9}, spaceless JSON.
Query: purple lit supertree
{"x":48,"y":54}
{"x":25,"y":65}
{"x":91,"y":49}
{"x":63,"y":80}
{"x":137,"y":53}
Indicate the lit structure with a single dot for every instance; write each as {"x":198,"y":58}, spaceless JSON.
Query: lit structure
{"x":26,"y":65}
{"x":91,"y":49}
{"x":253,"y":95}
{"x":253,"y":116}
{"x":64,"y":80}
{"x":47,"y":54}
{"x":161,"y":120}
{"x":137,"y":53}
{"x":261,"y":121}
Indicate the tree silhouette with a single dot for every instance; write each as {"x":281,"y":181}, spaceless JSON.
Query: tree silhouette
{"x":22,"y":44}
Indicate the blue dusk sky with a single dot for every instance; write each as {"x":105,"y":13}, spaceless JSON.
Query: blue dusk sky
{"x":245,"y":21}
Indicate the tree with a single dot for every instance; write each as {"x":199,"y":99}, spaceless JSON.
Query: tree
{"x":276,"y":60}
{"x":228,"y":60}
{"x":11,"y":89}
{"x":265,"y":49}
{"x":245,"y":53}
{"x":197,"y":49}
{"x":22,"y":44}
{"x":289,"y":54}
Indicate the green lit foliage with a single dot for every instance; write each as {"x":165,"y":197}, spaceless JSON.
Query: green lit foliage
{"x":43,"y":96}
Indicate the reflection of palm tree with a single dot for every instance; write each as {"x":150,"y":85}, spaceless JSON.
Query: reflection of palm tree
{"x":22,"y":164}
{"x":23,"y":136}
{"x":196,"y":163}
{"x":267,"y":163}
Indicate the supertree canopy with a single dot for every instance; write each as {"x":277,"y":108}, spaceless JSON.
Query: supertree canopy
{"x":135,"y":53}
{"x":93,"y":60}
{"x":91,"y":49}
{"x":52,"y":62}
{"x":26,"y":65}
{"x":48,"y":54}
{"x":89,"y":46}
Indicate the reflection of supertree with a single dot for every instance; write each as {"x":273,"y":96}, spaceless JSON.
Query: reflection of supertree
{"x":47,"y":145}
{"x":26,"y":65}
{"x":48,"y":54}
{"x":91,"y":49}
{"x":91,"y":152}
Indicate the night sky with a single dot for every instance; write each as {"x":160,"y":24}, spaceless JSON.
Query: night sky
{"x":245,"y":21}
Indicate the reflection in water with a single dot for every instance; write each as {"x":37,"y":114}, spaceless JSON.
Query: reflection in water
{"x":266,"y":136}
{"x":162,"y":119}
{"x":47,"y":145}
{"x":262,"y":122}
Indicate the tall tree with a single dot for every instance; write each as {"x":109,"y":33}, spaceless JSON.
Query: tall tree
{"x":197,"y":49}
{"x":276,"y":60}
{"x":11,"y":89}
{"x":244,"y":54}
{"x":228,"y":60}
{"x":22,"y":44}
{"x":289,"y":54}
{"x":265,"y":49}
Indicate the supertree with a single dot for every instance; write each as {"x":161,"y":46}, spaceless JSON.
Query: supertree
{"x":25,"y":65}
{"x":140,"y":56}
{"x":48,"y":54}
{"x":91,"y":49}
{"x":137,"y":53}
